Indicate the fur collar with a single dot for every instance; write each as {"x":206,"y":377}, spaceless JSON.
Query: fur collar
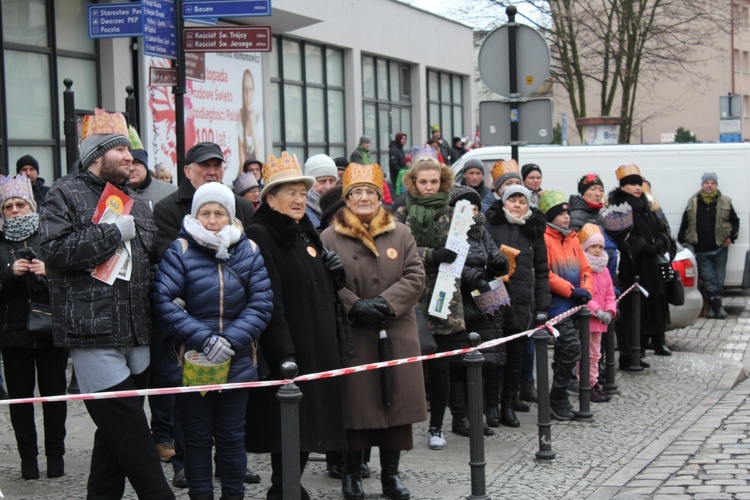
{"x":534,"y":227}
{"x":283,"y":228}
{"x":347,"y":224}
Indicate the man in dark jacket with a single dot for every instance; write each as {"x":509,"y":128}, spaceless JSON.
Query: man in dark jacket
{"x":151,"y":189}
{"x":204,"y":163}
{"x":473,"y":173}
{"x":396,"y":157}
{"x":28,"y":166}
{"x":710,"y":224}
{"x":106,"y":326}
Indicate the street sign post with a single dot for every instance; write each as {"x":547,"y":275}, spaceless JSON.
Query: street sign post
{"x":159,"y":28}
{"x":228,"y":39}
{"x":535,"y":127}
{"x":115,"y":20}
{"x":226,"y":8}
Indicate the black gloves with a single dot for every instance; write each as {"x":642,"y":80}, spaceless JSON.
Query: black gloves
{"x":498,"y":264}
{"x":540,"y":318}
{"x":440,"y":255}
{"x":335,"y":266}
{"x":580,"y":296}
{"x":482,"y":285}
{"x":370,"y":312}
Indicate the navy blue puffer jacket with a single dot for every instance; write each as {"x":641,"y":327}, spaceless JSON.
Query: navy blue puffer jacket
{"x":216,"y":303}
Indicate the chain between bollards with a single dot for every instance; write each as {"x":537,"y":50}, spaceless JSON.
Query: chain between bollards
{"x":584,"y":413}
{"x":289,"y":397}
{"x":473,"y":362}
{"x":541,"y":337}
{"x":635,"y":330}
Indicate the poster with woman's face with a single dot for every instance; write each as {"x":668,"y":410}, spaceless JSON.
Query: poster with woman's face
{"x":223,"y":104}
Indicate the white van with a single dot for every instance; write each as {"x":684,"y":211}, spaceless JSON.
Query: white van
{"x":674,"y":171}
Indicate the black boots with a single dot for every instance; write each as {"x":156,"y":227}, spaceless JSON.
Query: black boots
{"x":351,"y":483}
{"x":29,"y":468}
{"x":508,"y":416}
{"x":560,"y":408}
{"x":716,"y":309}
{"x":55,"y":467}
{"x":393,"y":487}
{"x":528,"y":392}
{"x":493,"y":416}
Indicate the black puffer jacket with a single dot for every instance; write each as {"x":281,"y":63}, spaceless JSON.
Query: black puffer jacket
{"x":15,"y":294}
{"x":529,"y":286}
{"x":87,"y":312}
{"x":475,"y":268}
{"x":581,"y":213}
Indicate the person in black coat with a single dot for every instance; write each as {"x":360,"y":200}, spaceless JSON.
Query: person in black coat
{"x":528,"y":282}
{"x":396,"y":157}
{"x":303,"y":324}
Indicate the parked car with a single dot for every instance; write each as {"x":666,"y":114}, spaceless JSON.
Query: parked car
{"x":687,"y":267}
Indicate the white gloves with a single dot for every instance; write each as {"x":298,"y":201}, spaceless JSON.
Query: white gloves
{"x":218,"y":349}
{"x":126,"y":225}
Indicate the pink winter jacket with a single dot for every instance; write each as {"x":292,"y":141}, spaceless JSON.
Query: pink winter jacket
{"x":602,"y":298}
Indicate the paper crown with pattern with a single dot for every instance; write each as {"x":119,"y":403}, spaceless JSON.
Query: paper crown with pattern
{"x":103,"y":123}
{"x":356,"y":174}
{"x":135,"y":139}
{"x":418,"y":153}
{"x":618,"y":217}
{"x":587,"y":231}
{"x":282,"y":170}
{"x":551,"y":198}
{"x":18,"y":187}
{"x":503,"y":167}
{"x":244,"y":183}
{"x":626,"y":170}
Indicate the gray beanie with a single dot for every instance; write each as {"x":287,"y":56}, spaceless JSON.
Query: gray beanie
{"x":505,"y":178}
{"x":519,"y":189}
{"x":364,"y":140}
{"x":473,"y":163}
{"x":321,"y":166}
{"x":709,"y":176}
{"x":96,"y":146}
{"x":213,"y":192}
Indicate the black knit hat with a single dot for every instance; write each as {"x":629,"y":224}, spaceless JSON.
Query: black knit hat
{"x":528,"y":168}
{"x":588,"y":180}
{"x":26,"y":160}
{"x":459,"y":193}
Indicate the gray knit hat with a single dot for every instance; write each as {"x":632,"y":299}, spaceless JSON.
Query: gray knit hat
{"x":321,"y":166}
{"x":709,"y":176}
{"x":96,"y":146}
{"x":213,"y":192}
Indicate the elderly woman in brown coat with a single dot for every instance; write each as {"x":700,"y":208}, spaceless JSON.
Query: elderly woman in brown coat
{"x":384,"y":279}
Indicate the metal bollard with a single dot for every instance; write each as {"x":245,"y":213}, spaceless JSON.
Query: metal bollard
{"x":610,"y":387}
{"x":70,"y":125}
{"x":474,"y":361}
{"x":289,"y":396}
{"x":635,"y":331}
{"x":584,"y":367}
{"x":541,"y":337}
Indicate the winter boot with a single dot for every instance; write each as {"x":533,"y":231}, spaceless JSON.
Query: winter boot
{"x":492,"y":396}
{"x":711,"y":314}
{"x":508,"y":416}
{"x":559,"y":405}
{"x":393,"y":487}
{"x":351,"y":483}
{"x":528,"y":391}
{"x":458,"y":404}
{"x":718,"y":308}
{"x":519,"y":405}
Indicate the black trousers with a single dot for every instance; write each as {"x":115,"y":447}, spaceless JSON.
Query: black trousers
{"x":123,"y":447}
{"x":24,"y":369}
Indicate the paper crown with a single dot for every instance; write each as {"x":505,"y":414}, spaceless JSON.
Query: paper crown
{"x":18,"y":187}
{"x":503,"y":167}
{"x":244,"y":183}
{"x":618,"y":217}
{"x":626,"y":170}
{"x":282,"y":170}
{"x":135,"y":139}
{"x":418,"y":153}
{"x":551,"y":198}
{"x":362,"y":174}
{"x":587,"y":231}
{"x":102,"y":122}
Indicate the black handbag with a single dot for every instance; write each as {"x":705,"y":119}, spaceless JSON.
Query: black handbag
{"x":675,"y":291}
{"x":426,"y":340}
{"x":666,"y":271}
{"x":39,"y":320}
{"x":344,"y":333}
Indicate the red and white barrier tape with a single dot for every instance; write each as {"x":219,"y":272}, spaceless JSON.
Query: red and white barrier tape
{"x":302,"y":378}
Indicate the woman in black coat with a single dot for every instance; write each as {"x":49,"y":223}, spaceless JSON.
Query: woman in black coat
{"x":29,"y":359}
{"x":513,"y":222}
{"x":647,"y":239}
{"x":303,"y":324}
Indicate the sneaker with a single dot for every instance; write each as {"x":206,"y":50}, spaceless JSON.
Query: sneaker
{"x":436,"y":440}
{"x":165,"y":451}
{"x":598,"y":395}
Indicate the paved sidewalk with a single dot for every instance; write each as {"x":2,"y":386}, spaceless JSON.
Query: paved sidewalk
{"x":664,"y":428}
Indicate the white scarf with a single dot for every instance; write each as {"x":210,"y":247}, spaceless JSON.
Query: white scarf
{"x":220,"y":242}
{"x":598,"y":264}
{"x":520,"y":221}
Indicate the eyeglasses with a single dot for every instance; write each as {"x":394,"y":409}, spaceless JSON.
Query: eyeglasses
{"x":20,"y":205}
{"x":359,"y":193}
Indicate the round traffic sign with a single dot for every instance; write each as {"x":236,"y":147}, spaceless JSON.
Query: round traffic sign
{"x":532,"y":60}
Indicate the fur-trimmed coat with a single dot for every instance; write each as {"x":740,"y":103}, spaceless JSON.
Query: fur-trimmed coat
{"x":380,"y":261}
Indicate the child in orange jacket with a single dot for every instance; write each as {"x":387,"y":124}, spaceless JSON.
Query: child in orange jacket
{"x":571,"y":284}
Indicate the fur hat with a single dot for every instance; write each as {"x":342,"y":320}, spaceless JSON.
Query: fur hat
{"x":101,"y":132}
{"x":590,"y":234}
{"x":553,"y":202}
{"x":362,"y":175}
{"x":459,"y":193}
{"x":27,"y":160}
{"x":321,"y":166}
{"x":213,"y":192}
{"x":283,"y":170}
{"x":244,"y":183}
{"x":588,"y":180}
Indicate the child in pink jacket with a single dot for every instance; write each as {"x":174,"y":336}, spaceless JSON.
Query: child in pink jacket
{"x":602,"y":305}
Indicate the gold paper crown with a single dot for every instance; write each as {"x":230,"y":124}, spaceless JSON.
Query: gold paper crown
{"x":626,"y":170}
{"x":102,"y":122}
{"x":503,"y":167}
{"x":20,"y":187}
{"x":281,"y":170}
{"x":588,"y":230}
{"x":362,"y":174}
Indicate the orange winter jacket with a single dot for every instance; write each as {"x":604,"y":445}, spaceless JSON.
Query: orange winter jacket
{"x":568,"y":269}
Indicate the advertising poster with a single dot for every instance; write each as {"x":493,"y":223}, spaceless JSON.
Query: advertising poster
{"x":223,"y":104}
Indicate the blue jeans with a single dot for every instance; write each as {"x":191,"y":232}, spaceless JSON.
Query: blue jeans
{"x":217,"y":417}
{"x":527,"y":363}
{"x":712,"y":269}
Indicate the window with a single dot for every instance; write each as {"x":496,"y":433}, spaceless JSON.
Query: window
{"x":44,"y":42}
{"x":445,"y":104}
{"x":386,"y":105}
{"x":307,"y":99}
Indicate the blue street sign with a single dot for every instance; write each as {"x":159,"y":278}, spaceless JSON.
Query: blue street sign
{"x":159,"y":28}
{"x":730,"y":137}
{"x":115,"y":20}
{"x":227,"y":8}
